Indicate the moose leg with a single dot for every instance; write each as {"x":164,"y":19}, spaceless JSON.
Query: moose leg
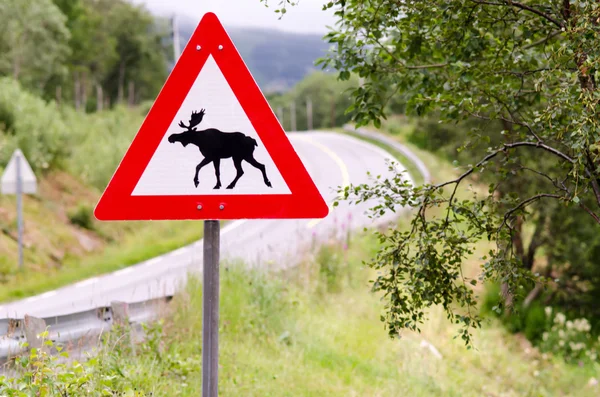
{"x":261,"y":167}
{"x":217,"y":164}
{"x":198,"y":168}
{"x":238,"y":166}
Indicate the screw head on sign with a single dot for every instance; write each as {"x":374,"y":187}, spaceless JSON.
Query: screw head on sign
{"x":220,"y":47}
{"x":198,"y":48}
{"x":222,"y":207}
{"x":199,"y":207}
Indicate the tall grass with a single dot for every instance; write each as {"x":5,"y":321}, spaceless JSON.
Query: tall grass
{"x":314,"y":331}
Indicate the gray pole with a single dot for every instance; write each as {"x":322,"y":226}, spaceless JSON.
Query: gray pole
{"x":293,"y":116}
{"x":280,"y":115}
{"x":309,"y":114}
{"x":20,"y":208}
{"x":176,"y":44}
{"x":210,"y":310}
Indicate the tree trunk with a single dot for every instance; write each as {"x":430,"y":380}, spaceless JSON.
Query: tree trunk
{"x":332,"y":121}
{"x":121,"y":83}
{"x":58,"y":95}
{"x":76,"y":98}
{"x":84,"y":91}
{"x":99,"y":98}
{"x":309,"y":114}
{"x":131,"y":94}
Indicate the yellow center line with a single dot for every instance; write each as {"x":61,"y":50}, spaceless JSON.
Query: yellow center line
{"x":340,"y":163}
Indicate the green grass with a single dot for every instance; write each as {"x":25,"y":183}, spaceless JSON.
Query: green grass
{"x":143,"y":242}
{"x":299,"y":334}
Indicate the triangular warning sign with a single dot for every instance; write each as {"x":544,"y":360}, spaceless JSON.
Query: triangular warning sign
{"x":210,"y":147}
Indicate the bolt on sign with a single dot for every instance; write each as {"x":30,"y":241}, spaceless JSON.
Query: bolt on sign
{"x":211,"y":147}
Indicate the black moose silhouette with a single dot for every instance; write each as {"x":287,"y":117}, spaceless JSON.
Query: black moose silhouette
{"x":216,"y":145}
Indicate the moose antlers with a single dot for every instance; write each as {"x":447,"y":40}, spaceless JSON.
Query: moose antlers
{"x":194,"y":120}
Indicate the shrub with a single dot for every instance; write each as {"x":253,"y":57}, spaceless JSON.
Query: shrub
{"x":530,"y":320}
{"x":570,"y":339}
{"x":82,"y":217}
{"x":36,"y":127}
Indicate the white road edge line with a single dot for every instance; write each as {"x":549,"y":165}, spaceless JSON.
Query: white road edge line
{"x":382,"y":152}
{"x":123,"y":271}
{"x":233,"y":225}
{"x":152,"y":261}
{"x":179,"y":251}
{"x":48,"y":294}
{"x":340,"y":163}
{"x":87,"y":282}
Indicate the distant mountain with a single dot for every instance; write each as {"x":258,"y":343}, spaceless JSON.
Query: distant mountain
{"x":276,"y":59}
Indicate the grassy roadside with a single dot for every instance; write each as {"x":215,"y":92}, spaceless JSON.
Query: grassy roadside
{"x":63,"y":243}
{"x":140,"y":244}
{"x":315,"y":331}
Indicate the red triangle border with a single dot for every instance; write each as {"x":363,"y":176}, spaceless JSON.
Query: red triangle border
{"x":117,"y":203}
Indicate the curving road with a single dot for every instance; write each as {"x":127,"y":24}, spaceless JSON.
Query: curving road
{"x":331,"y":159}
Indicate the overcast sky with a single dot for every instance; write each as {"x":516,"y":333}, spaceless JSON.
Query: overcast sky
{"x":307,"y":17}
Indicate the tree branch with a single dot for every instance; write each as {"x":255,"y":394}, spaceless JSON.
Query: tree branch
{"x":503,"y":149}
{"x":589,"y":211}
{"x":522,"y":7}
{"x":524,"y":203}
{"x":543,"y":40}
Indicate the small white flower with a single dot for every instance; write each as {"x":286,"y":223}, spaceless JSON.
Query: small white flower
{"x":560,"y":318}
{"x":582,"y":325}
{"x":561,"y":343}
{"x":561,"y":333}
{"x":569,"y":324}
{"x":545,"y":336}
{"x":536,"y":373}
{"x":548,"y":311}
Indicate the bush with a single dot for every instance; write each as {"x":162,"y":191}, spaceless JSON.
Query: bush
{"x":36,"y":128}
{"x":89,"y":146}
{"x":82,"y":217}
{"x":531,"y":320}
{"x":570,"y":339}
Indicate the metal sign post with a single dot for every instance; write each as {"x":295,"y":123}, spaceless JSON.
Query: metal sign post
{"x":18,"y":179}
{"x":154,"y":179}
{"x":19,"y":207}
{"x":210,"y":310}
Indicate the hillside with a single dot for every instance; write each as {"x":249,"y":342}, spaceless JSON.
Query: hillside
{"x":277,"y":59}
{"x":73,"y":155}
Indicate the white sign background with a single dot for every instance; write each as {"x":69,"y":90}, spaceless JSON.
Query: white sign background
{"x":172,"y":167}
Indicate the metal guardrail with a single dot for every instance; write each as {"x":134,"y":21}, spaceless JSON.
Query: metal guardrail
{"x":76,"y":328}
{"x":405,"y":151}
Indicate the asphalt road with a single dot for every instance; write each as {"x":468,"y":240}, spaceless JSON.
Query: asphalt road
{"x":331,"y":159}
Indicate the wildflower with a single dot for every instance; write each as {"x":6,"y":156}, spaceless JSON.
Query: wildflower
{"x":569,"y":324}
{"x":560,"y":318}
{"x":548,"y":311}
{"x":561,"y":333}
{"x":561,"y":343}
{"x":536,"y":373}
{"x":582,"y":325}
{"x":576,"y":346}
{"x":545,"y":336}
